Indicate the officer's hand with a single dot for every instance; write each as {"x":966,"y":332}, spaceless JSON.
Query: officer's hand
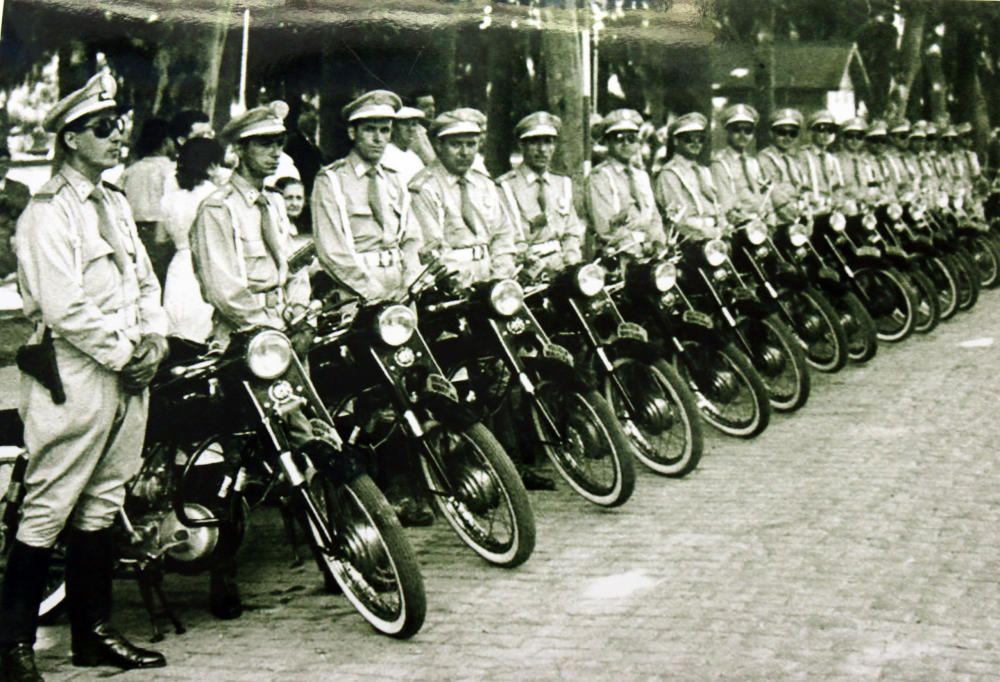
{"x":302,"y":341}
{"x":538,"y":222}
{"x":141,"y":367}
{"x":619,"y":219}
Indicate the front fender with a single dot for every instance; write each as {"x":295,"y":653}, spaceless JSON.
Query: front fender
{"x":444,"y":406}
{"x":341,"y":466}
{"x":633,"y":348}
{"x":551,"y":369}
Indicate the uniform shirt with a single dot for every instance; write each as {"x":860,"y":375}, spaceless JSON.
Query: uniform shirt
{"x":350,"y":252}
{"x":788,"y":178}
{"x":738,"y":179}
{"x":437,"y":205}
{"x":145,"y":182}
{"x":522,"y":188}
{"x":68,"y":275}
{"x":613,"y":189}
{"x":241,"y":269}
{"x":685,"y":184}
{"x":860,"y":173}
{"x":822,"y":170}
{"x":407,"y":163}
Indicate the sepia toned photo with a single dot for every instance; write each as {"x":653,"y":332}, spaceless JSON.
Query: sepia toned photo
{"x":524,"y":340}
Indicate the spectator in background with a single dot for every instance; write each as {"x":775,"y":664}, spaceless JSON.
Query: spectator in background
{"x":198,"y":175}
{"x":421,"y":144}
{"x":302,"y":147}
{"x":190,"y":123}
{"x":406,"y":127}
{"x":293,"y":191}
{"x":13,"y":198}
{"x":145,"y":182}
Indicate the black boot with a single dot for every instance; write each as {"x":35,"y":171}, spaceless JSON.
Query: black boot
{"x":224,"y":595}
{"x":89,"y":568}
{"x":24,"y":582}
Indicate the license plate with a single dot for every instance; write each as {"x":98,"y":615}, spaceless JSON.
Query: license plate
{"x":868,"y":251}
{"x":697,"y":318}
{"x":631,"y":330}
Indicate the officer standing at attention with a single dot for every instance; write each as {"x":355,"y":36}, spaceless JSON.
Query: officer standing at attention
{"x":619,"y":195}
{"x":826,"y":179}
{"x":541,"y":202}
{"x":241,"y":237}
{"x":779,"y":164}
{"x":685,"y":185}
{"x":88,"y":284}
{"x":366,"y":236}
{"x":861,"y":177}
{"x":459,"y":207}
{"x":735,"y":170}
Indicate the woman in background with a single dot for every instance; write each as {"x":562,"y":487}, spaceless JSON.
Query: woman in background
{"x":199,"y":173}
{"x":294,"y":193}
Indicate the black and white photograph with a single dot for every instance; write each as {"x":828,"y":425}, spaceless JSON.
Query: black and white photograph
{"x":433,"y":340}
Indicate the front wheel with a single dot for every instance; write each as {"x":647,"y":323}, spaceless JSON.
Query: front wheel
{"x":358,"y":543}
{"x":967,"y":280}
{"x":986,"y":257}
{"x":942,"y":275}
{"x":665,"y":431}
{"x":778,"y":358}
{"x":730,"y":394}
{"x":928,"y":314}
{"x":580,"y":435}
{"x":862,"y":338}
{"x":476,"y":488}
{"x":890,"y":301}
{"x":818,"y":326}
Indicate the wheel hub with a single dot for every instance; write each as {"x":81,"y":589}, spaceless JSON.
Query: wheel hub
{"x":847,"y":322}
{"x":583,"y":439}
{"x":812,"y":327}
{"x":364,"y":547}
{"x":773,"y":360}
{"x":477,"y":490}
{"x":724,"y":385}
{"x":655,"y":415}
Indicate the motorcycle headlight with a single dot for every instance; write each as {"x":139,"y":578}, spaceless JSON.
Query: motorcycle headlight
{"x":959,"y":202}
{"x":895,"y":211}
{"x":798,"y":234}
{"x":756,"y":232}
{"x":869,"y":221}
{"x":917,"y":212}
{"x":590,"y":279}
{"x":665,"y":276}
{"x":838,"y":221}
{"x":268,"y":354}
{"x":506,"y":297}
{"x":942,"y":200}
{"x":716,"y":252}
{"x":396,"y":324}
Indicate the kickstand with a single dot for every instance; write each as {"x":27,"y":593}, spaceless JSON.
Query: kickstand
{"x":151,"y":589}
{"x":288,"y":521}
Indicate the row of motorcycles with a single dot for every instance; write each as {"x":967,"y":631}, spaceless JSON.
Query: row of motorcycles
{"x":607,"y":362}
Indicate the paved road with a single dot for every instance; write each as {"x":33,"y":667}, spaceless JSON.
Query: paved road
{"x":854,"y":540}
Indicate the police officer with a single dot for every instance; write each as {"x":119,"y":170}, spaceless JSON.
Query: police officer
{"x":549,"y":232}
{"x":735,"y":170}
{"x":684,"y":187}
{"x":619,"y":195}
{"x":461,"y":214}
{"x":88,"y":284}
{"x":779,"y":163}
{"x":905,"y":172}
{"x":366,"y":236}
{"x":825,"y":177}
{"x":886,"y":171}
{"x":857,"y":166}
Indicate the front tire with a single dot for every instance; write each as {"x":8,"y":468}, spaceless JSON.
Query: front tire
{"x":666,"y":435}
{"x":890,"y":301}
{"x":942,"y":275}
{"x":928,"y":313}
{"x":817,"y":324}
{"x":590,"y":449}
{"x":730,"y":394}
{"x":862,"y":337}
{"x":781,"y":364}
{"x":472,"y":481}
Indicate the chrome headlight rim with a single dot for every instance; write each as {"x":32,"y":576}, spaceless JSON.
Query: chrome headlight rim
{"x":396,"y":324}
{"x":917,"y":213}
{"x":798,"y":234}
{"x":895,"y":211}
{"x":269,"y":354}
{"x":590,"y":279}
{"x":869,"y":221}
{"x":664,"y":276}
{"x":506,"y":297}
{"x":756,"y":232}
{"x":716,"y":252}
{"x":838,"y":221}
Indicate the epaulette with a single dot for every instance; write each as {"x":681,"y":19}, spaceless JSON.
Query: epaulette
{"x":485,"y":175}
{"x":420,"y":180}
{"x":51,"y":188}
{"x":218,"y":197}
{"x":112,"y":186}
{"x":559,"y":174}
{"x":336,"y":165}
{"x":509,"y":175}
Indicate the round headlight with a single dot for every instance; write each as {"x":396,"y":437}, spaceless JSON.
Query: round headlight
{"x":917,"y":213}
{"x":959,"y":202}
{"x":590,"y":279}
{"x":942,"y":200}
{"x":396,"y":324}
{"x":268,"y":354}
{"x":716,"y":252}
{"x":895,"y":211}
{"x":506,"y":297}
{"x":838,"y":221}
{"x":869,"y":221}
{"x":756,"y":232}
{"x":798,"y":234}
{"x":665,"y":276}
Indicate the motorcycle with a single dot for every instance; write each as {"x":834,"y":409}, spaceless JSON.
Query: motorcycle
{"x":491,"y":344}
{"x":379,"y":378}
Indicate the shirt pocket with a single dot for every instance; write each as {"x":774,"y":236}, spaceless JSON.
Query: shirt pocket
{"x":100,"y":273}
{"x":260,"y":267}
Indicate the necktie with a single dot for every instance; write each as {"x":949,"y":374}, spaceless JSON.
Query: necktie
{"x":468,"y":209}
{"x":751,"y":182}
{"x":107,"y":228}
{"x":541,"y":194}
{"x":857,"y":174}
{"x":375,"y":195}
{"x":272,"y":238}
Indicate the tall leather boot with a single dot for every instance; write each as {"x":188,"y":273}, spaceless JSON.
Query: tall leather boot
{"x":24,"y":582}
{"x":89,"y":568}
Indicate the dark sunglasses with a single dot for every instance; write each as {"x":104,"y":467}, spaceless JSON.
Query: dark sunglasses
{"x":853,"y":136}
{"x":104,"y":127}
{"x":742,"y":130}
{"x":624,"y":137}
{"x":786,"y":132}
{"x":691,"y":138}
{"x":824,"y":128}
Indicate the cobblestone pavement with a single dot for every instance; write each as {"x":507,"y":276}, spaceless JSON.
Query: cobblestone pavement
{"x":854,"y":540}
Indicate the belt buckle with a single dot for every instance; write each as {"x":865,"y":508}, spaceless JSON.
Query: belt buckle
{"x":478,"y":252}
{"x":385,"y":259}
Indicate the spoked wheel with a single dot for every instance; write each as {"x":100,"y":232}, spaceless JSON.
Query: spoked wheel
{"x":359,"y":546}
{"x":890,"y":301}
{"x":862,"y":339}
{"x":781,"y":364}
{"x":588,"y":448}
{"x":730,"y":394}
{"x":476,"y":488}
{"x":665,"y":431}
{"x":987,"y":260}
{"x":968,"y":279}
{"x":942,"y":277}
{"x":928,"y":314}
{"x":818,"y":327}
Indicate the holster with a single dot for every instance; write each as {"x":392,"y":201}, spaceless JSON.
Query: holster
{"x":39,"y":362}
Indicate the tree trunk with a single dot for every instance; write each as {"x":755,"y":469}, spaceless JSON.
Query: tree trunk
{"x":499,"y":56}
{"x":911,"y":53}
{"x":564,"y":85}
